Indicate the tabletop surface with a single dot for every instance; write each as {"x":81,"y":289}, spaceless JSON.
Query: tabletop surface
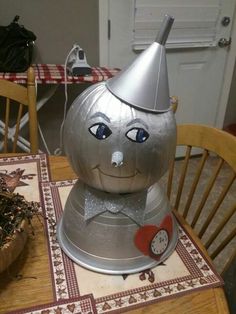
{"x":34,"y":262}
{"x":55,"y":74}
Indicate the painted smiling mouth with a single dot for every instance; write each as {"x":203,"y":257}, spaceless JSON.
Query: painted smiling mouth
{"x":119,"y":177}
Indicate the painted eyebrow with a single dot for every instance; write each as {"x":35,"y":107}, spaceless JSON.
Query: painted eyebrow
{"x":139,"y":121}
{"x":101,"y":115}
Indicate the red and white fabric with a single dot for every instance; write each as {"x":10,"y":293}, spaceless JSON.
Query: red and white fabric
{"x":54,"y":74}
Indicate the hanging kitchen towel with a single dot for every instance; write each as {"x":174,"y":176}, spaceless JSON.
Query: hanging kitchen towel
{"x":16,"y":47}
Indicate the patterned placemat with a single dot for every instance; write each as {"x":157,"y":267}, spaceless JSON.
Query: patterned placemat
{"x":24,"y":173}
{"x":186,"y":270}
{"x":84,"y":305}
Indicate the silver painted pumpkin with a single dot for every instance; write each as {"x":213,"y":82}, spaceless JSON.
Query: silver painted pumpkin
{"x":115,"y":147}
{"x":119,"y":136}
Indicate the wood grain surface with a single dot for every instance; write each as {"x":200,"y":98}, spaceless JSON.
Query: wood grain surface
{"x":28,"y":281}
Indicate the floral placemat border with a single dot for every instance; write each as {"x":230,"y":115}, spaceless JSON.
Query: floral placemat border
{"x":42,"y":164}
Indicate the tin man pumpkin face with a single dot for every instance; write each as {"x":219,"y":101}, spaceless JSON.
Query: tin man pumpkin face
{"x":119,"y":136}
{"x":117,"y":148}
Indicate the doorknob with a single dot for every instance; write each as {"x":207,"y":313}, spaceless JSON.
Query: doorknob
{"x":224,"y":42}
{"x":225,"y":21}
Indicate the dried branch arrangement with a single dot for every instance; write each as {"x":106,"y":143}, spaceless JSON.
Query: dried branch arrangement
{"x":13,"y":210}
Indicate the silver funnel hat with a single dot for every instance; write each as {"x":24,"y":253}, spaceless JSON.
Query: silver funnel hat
{"x":144,"y":83}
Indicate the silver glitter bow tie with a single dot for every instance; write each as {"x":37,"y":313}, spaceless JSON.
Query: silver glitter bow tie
{"x":131,"y":205}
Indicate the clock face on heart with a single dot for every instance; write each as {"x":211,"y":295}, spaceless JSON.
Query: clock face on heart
{"x":159,"y":242}
{"x":153,"y":240}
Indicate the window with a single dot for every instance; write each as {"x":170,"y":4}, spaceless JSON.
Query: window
{"x":196,"y":22}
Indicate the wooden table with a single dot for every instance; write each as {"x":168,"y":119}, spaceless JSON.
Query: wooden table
{"x":28,"y":283}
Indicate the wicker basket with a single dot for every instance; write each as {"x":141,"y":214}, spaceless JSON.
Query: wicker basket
{"x":10,"y":251}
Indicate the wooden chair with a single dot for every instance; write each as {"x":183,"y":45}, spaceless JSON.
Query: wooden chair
{"x":174,"y":103}
{"x":18,"y":99}
{"x":202,"y":193}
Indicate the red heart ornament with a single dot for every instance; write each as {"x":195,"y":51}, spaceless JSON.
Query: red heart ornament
{"x":145,"y":235}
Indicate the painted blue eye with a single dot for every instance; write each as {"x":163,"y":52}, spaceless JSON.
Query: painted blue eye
{"x":100,"y":131}
{"x":137,"y":135}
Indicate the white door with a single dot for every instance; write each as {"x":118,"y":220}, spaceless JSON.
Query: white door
{"x":195,"y":61}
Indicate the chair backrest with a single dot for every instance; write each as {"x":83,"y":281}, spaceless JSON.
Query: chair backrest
{"x":174,"y":103}
{"x":18,"y":100}
{"x":201,"y":189}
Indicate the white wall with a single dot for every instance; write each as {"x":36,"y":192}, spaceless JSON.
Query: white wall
{"x":58,"y":24}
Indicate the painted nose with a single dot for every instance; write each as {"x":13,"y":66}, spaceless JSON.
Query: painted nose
{"x":117,"y":159}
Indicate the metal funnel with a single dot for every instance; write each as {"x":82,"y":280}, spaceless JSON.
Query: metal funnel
{"x":144,"y":83}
